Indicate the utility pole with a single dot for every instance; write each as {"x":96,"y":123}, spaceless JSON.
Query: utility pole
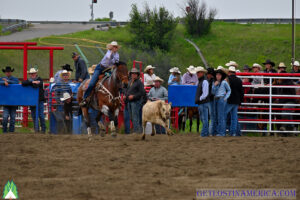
{"x":293,"y":31}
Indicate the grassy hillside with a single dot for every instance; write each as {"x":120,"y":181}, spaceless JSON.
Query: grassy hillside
{"x":244,"y":43}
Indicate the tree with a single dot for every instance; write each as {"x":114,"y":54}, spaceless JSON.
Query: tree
{"x":197,"y":21}
{"x":152,"y":28}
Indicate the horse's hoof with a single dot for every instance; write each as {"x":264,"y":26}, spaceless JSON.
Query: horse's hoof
{"x":113,"y":134}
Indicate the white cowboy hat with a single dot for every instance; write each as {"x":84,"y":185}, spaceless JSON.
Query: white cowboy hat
{"x":64,"y":72}
{"x":113,"y":44}
{"x":191,"y":69}
{"x":222,"y":69}
{"x":231,"y":69}
{"x":200,"y":69}
{"x":231,"y":63}
{"x":32,"y":71}
{"x":51,"y":80}
{"x":91,"y":69}
{"x":257,"y":65}
{"x":296,"y":63}
{"x":175,"y":69}
{"x":281,"y":65}
{"x":148,"y":67}
{"x":66,"y":96}
{"x":157,"y":78}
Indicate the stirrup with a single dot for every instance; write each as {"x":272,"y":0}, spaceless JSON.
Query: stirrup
{"x":83,"y":103}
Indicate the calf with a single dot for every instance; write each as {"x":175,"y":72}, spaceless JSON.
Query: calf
{"x":157,"y":112}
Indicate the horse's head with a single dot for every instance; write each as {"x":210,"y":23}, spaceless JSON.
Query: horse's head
{"x":122,"y":73}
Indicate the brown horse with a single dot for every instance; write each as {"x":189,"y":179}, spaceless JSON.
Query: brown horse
{"x":105,"y":96}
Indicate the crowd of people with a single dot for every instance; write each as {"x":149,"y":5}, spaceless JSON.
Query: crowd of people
{"x":219,"y":92}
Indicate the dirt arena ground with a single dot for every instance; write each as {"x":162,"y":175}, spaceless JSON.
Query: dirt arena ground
{"x":72,"y":167}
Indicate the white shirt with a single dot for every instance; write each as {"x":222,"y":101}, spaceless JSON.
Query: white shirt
{"x":147,"y":78}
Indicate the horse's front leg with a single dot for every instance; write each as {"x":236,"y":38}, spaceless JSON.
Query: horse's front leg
{"x":87,"y":120}
{"x":112,"y":126}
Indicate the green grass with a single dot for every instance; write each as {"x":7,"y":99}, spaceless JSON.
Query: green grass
{"x":243,"y":43}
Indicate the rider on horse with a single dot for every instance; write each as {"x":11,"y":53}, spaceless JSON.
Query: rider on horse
{"x":110,"y":58}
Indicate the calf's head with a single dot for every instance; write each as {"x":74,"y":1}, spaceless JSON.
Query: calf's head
{"x":165,"y":110}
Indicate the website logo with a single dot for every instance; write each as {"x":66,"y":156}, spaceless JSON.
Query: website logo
{"x":10,"y":191}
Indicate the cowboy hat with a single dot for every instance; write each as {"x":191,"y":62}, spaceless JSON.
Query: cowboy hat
{"x":134,"y":71}
{"x":191,"y":69}
{"x":74,"y":54}
{"x":113,"y":44}
{"x":281,"y":65}
{"x":268,"y":61}
{"x":257,"y":65}
{"x":175,"y":69}
{"x":67,"y":67}
{"x":148,"y":68}
{"x":64,"y":72}
{"x":232,"y":69}
{"x":211,"y":70}
{"x":200,"y":69}
{"x":296,"y":63}
{"x":32,"y":70}
{"x":8,"y":69}
{"x":246,"y":67}
{"x":224,"y":70}
{"x":91,"y":69}
{"x":66,"y":96}
{"x":231,"y":63}
{"x":157,"y":78}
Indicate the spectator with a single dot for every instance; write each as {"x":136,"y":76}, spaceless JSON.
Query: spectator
{"x":221,"y":91}
{"x":190,"y":77}
{"x":235,"y":99}
{"x":8,"y":111}
{"x":81,"y":71}
{"x":65,"y":77}
{"x":247,"y":69}
{"x":174,"y":78}
{"x":158,"y":92}
{"x":149,"y":76}
{"x":57,"y":77}
{"x":232,"y":63}
{"x":257,"y":69}
{"x":68,"y":111}
{"x":111,"y":57}
{"x":269,"y":69}
{"x":202,"y":99}
{"x":210,"y":76}
{"x":295,"y":69}
{"x":281,"y":67}
{"x":37,"y":82}
{"x":133,"y":98}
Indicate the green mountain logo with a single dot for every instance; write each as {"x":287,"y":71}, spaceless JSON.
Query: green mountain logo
{"x":10,"y":191}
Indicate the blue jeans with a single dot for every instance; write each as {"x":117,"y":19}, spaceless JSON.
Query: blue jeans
{"x":126,"y":119}
{"x":203,"y":112}
{"x":9,"y":111}
{"x":93,"y":81}
{"x":212,"y":117}
{"x":134,"y":108}
{"x":220,"y":105}
{"x":40,"y":115}
{"x":232,"y":109}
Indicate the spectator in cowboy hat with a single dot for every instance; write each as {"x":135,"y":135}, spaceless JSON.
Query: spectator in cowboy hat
{"x":221,"y":91}
{"x":81,"y":70}
{"x":190,"y":77}
{"x":110,"y":58}
{"x":281,"y":67}
{"x":295,"y":69}
{"x":37,"y":82}
{"x":68,"y":110}
{"x":257,"y":69}
{"x":269,"y":69}
{"x":202,"y":99}
{"x":149,"y":75}
{"x":232,"y":63}
{"x":174,"y":78}
{"x":8,"y":111}
{"x":133,"y":98}
{"x":247,"y":69}
{"x":235,"y":99}
{"x":57,"y":78}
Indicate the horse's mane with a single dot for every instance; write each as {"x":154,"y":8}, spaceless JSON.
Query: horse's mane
{"x":120,"y":63}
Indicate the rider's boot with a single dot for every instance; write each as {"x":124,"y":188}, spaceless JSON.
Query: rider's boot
{"x":84,"y":102}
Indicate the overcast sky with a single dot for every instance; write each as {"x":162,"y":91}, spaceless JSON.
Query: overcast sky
{"x":80,"y":9}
